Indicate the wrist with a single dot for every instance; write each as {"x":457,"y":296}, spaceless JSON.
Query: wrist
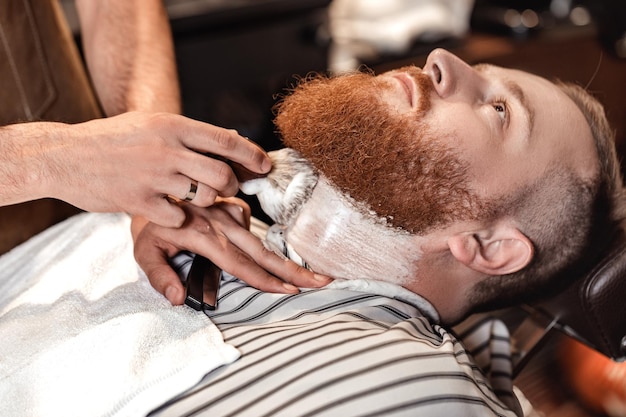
{"x":61,"y":163}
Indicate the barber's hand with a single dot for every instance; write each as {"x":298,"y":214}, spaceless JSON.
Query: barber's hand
{"x":219,"y":233}
{"x":131,"y":162}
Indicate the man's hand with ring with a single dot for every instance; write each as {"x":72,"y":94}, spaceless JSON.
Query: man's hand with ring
{"x":137,"y":161}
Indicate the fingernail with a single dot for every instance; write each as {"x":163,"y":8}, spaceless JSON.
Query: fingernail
{"x":170,"y":294}
{"x":290,"y":288}
{"x":322,"y":278}
{"x":266,"y":165}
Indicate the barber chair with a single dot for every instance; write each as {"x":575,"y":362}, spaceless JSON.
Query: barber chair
{"x":592,"y":310}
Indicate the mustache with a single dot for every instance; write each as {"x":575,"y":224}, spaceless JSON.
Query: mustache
{"x":424,"y":85}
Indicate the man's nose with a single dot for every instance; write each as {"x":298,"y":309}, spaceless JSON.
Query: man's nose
{"x":451,"y":77}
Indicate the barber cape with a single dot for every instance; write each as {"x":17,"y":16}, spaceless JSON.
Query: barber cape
{"x":82,"y":333}
{"x":344,"y":352}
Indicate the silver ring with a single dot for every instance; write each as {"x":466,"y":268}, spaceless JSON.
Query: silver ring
{"x":193,"y":188}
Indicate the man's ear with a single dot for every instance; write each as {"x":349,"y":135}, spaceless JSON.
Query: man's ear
{"x":500,"y":250}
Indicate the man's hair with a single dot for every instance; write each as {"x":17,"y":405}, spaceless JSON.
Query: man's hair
{"x":570,"y":220}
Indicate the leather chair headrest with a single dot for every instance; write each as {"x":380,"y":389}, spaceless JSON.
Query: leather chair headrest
{"x":593,"y":309}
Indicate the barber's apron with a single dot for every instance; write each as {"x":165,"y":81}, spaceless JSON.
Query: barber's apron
{"x":42,"y":77}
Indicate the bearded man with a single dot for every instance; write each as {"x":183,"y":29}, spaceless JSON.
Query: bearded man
{"x":498,"y":182}
{"x":430,"y":194}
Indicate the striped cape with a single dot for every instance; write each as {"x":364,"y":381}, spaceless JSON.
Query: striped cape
{"x":339,"y":352}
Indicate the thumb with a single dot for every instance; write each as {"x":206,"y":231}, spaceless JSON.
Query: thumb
{"x":163,"y":279}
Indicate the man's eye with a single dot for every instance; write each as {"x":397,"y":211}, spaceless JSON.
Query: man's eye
{"x":501,"y":108}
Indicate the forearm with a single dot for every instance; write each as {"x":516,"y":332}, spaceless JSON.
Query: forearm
{"x":29,"y":163}
{"x":130,"y":55}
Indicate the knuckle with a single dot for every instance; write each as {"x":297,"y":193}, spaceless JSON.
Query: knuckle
{"x":224,"y":178}
{"x":241,"y":258}
{"x":264,"y":255}
{"x":298,"y":269}
{"x":293,"y":271}
{"x":225,"y":139}
{"x":211,"y":196}
{"x":240,"y":213}
{"x":158,"y":121}
{"x":160,"y":278}
{"x":257,"y":156}
{"x":236,"y":262}
{"x":206,"y":198}
{"x":230,"y":142}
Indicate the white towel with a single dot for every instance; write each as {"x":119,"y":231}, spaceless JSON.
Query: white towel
{"x":82,"y":332}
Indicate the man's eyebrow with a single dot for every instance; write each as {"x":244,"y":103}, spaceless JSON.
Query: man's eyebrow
{"x":517,"y":92}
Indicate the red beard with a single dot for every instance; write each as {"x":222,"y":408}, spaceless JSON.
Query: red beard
{"x":394,"y":164}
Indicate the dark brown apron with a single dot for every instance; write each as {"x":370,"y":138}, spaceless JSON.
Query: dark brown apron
{"x":42,"y":77}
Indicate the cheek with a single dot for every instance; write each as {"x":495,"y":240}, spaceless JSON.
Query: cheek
{"x":459,"y":126}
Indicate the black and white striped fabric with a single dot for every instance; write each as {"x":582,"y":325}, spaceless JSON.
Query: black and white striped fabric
{"x":340,"y":352}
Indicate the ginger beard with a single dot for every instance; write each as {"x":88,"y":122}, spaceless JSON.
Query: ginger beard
{"x":392,"y":163}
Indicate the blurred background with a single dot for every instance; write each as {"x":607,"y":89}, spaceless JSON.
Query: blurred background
{"x":235,"y":56}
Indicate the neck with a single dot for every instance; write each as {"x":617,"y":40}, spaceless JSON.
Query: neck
{"x":336,"y":237}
